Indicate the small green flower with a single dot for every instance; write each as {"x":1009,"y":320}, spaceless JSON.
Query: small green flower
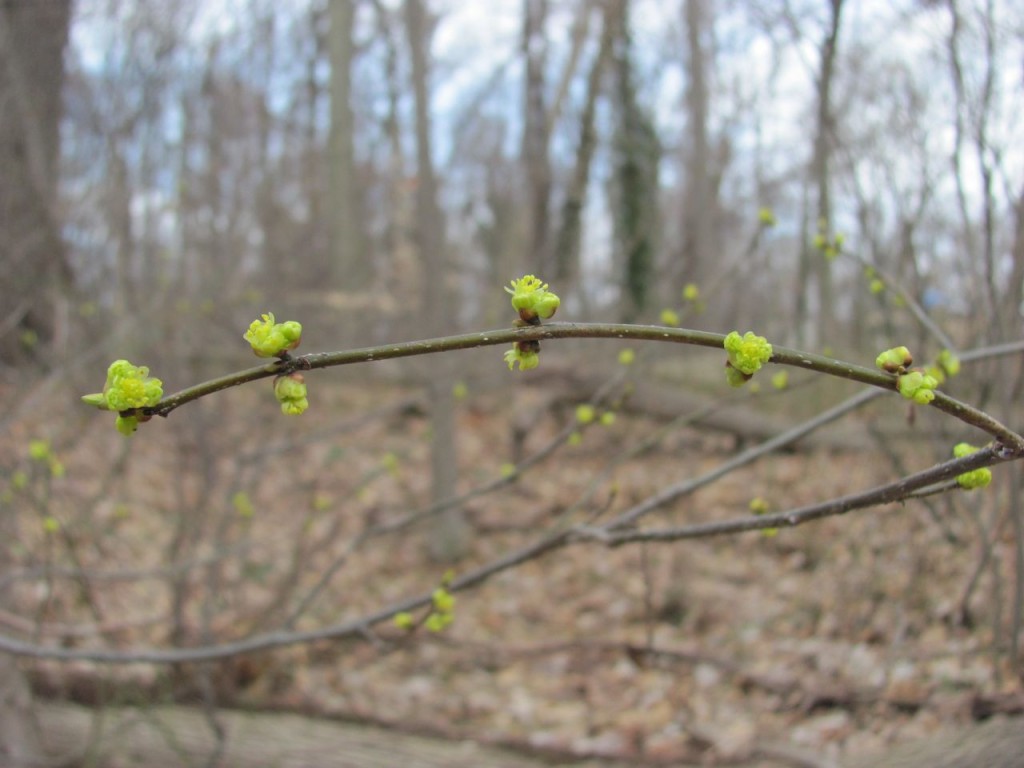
{"x":978,"y":478}
{"x":895,"y":360}
{"x":876,"y":286}
{"x":627,"y":356}
{"x":126,"y":425}
{"x":585,"y":413}
{"x":669,"y":317}
{"x":128,"y":388}
{"x":532,"y":299}
{"x":780,"y":380}
{"x":747,"y":353}
{"x":526,"y":353}
{"x":691,"y":292}
{"x":438,"y":622}
{"x":443,"y":600}
{"x":607,"y":418}
{"x":948,"y":362}
{"x":290,"y":392}
{"x":39,"y":450}
{"x":404,"y":620}
{"x":761,"y":507}
{"x":758,"y":506}
{"x":272,"y":339}
{"x":766,"y":217}
{"x":391,"y":463}
{"x":917,"y":386}
{"x":243,"y":504}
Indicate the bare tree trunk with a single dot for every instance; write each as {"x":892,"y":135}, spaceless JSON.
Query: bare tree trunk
{"x":349,"y":266}
{"x":567,"y":249}
{"x":636,"y":177}
{"x":451,"y":536}
{"x":700,"y":213}
{"x":824,"y":138}
{"x":32,"y":259}
{"x":536,"y":136}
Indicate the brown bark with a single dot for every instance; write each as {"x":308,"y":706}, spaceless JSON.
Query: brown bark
{"x":32,"y":259}
{"x":349,"y":266}
{"x":536,"y":136}
{"x":449,"y":539}
{"x":699,"y":215}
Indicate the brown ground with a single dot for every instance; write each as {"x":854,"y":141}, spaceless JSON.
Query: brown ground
{"x":833,"y":639}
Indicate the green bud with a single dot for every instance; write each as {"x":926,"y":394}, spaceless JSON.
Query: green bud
{"x":735,"y":377}
{"x":978,"y":478}
{"x":98,"y":400}
{"x":948,"y":362}
{"x":438,"y":622}
{"x":526,"y":353}
{"x":444,"y":601}
{"x":126,"y":425}
{"x":917,"y":386}
{"x":39,"y":450}
{"x":290,"y":392}
{"x":669,"y":317}
{"x":895,"y":360}
{"x":585,"y":413}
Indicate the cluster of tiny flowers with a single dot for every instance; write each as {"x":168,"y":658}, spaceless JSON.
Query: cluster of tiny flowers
{"x":977,"y":478}
{"x":830,"y":247}
{"x":747,"y":354}
{"x":442,"y":609}
{"x":534,"y":302}
{"x":915,"y":385}
{"x":918,"y":386}
{"x":526,"y":353}
{"x":946,"y":364}
{"x":290,"y":392}
{"x":532,"y":299}
{"x":272,"y":339}
{"x":128,"y":388}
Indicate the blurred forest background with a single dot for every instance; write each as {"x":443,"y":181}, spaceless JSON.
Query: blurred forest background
{"x":840,"y":176}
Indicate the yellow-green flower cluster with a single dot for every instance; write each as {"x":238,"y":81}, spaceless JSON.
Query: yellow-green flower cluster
{"x":290,"y":392}
{"x":40,"y":451}
{"x":946,"y":364}
{"x":747,"y":354}
{"x":272,"y":339}
{"x":830,"y":246}
{"x":534,"y":302}
{"x":443,"y":613}
{"x":532,"y":299}
{"x":918,"y":386}
{"x":442,"y":609}
{"x":526,"y":353}
{"x":128,"y":388}
{"x":977,"y":478}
